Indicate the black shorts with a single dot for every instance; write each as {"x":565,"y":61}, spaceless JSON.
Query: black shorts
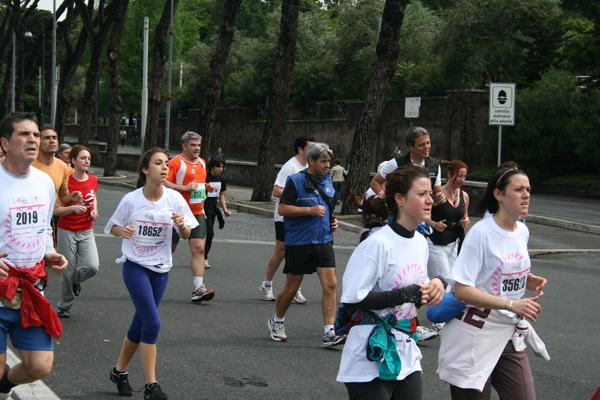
{"x":279,"y":231}
{"x":304,"y":260}
{"x":198,"y":232}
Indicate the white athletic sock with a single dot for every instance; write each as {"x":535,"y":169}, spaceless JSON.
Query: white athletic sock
{"x":277,"y":319}
{"x":267,"y":283}
{"x":198,"y":280}
{"x":327,"y":328}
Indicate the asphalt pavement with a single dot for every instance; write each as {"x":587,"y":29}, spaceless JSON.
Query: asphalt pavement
{"x":222,"y":350}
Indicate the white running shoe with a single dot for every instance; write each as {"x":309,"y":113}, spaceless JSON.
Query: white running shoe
{"x":206,"y":264}
{"x":438,"y":326}
{"x":267,"y":292}
{"x":330,"y":339}
{"x":426,"y":333}
{"x":299,"y":298}
{"x":202,"y":294}
{"x":277,"y":330}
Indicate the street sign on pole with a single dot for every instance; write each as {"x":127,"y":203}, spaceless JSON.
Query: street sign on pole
{"x":411,"y":107}
{"x":502,"y":104}
{"x":502,"y":109}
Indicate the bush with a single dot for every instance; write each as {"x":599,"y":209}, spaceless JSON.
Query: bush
{"x":557,"y":128}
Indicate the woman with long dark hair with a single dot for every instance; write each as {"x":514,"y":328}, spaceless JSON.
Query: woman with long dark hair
{"x":144,"y":219}
{"x":384,"y":283}
{"x":483,"y":346}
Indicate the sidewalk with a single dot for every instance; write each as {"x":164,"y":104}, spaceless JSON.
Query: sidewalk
{"x":573,"y":213}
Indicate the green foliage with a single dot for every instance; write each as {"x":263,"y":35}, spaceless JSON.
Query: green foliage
{"x":486,"y":41}
{"x":581,"y":53}
{"x":251,"y":66}
{"x":556,"y":128}
{"x":357,"y":39}
{"x":314,"y":72}
{"x":418,"y":72}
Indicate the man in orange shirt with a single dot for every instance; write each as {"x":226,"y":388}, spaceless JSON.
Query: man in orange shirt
{"x":57,"y":170}
{"x":187,"y":174}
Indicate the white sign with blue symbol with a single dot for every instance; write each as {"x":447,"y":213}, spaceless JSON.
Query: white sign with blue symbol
{"x":502,"y":103}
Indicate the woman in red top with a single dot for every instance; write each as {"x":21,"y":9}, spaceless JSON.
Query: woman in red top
{"x":75,"y":238}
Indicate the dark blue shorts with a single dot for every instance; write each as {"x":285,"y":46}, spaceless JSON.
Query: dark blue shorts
{"x":32,"y":338}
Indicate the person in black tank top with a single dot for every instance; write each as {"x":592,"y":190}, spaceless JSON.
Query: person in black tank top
{"x":448,"y":220}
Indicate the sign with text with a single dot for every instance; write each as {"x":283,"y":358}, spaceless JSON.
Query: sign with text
{"x":502,"y":103}
{"x":411,"y":107}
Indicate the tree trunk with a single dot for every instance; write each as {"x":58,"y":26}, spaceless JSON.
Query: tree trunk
{"x":377,"y":98}
{"x":115,"y":102}
{"x":4,"y":46}
{"x":97,"y":45}
{"x":157,"y":74}
{"x":276,"y":114}
{"x":68,"y":68}
{"x":215,"y":76}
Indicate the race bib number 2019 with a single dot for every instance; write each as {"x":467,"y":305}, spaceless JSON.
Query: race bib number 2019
{"x":28,"y":217}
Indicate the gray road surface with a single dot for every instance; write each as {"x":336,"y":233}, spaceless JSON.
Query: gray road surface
{"x":222,"y":350}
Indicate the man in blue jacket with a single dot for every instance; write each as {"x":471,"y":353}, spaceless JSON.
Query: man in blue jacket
{"x":307,"y":208}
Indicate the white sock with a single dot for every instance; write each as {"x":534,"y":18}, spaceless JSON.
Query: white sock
{"x":198,"y":280}
{"x":277,"y":319}
{"x":327,"y":328}
{"x":267,"y":283}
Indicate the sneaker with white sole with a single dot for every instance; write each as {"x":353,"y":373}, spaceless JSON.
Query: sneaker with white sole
{"x":277,"y":330}
{"x":425,"y":333}
{"x":152,"y":391}
{"x":206,"y":264}
{"x":121,"y":379}
{"x":299,"y":298}
{"x":330,"y":339}
{"x":438,"y":326}
{"x":267,"y":292}
{"x":202,"y":294}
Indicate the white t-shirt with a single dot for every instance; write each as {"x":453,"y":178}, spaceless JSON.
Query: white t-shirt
{"x":150,"y":245}
{"x":26,"y":204}
{"x":216,"y":191}
{"x":391,"y":166}
{"x":289,"y":168}
{"x":384,"y":262}
{"x":493,"y":260}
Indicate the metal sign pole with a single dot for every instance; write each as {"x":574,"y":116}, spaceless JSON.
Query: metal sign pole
{"x":499,"y":144}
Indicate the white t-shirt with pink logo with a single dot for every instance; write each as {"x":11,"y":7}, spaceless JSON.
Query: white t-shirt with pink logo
{"x":150,"y":245}
{"x":493,"y":260}
{"x":384,"y":261}
{"x":26,"y":204}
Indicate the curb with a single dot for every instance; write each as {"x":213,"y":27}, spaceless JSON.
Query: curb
{"x":560,"y":223}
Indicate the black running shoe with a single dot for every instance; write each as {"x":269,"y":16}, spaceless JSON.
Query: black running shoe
{"x":152,"y":391}
{"x":76,"y":289}
{"x":121,"y":379}
{"x":63,"y":313}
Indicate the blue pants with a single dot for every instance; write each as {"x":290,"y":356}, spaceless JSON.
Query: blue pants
{"x":338,"y":189}
{"x":146,"y":289}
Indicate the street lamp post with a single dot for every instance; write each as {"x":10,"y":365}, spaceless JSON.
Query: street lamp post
{"x":53,"y":68}
{"x":12,"y":76}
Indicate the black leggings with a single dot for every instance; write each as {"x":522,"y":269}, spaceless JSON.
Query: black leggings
{"x":411,"y":388}
{"x":210,"y":233}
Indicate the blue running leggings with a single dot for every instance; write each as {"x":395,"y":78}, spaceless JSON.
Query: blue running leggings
{"x":146,"y":289}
